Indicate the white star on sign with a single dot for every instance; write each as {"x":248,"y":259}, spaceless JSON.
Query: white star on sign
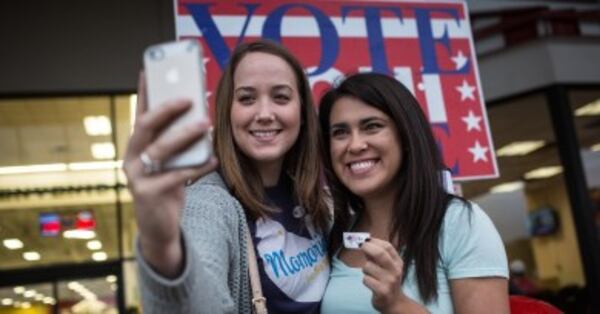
{"x":459,"y":60}
{"x":466,"y":91}
{"x":472,"y":121}
{"x":478,"y":152}
{"x":204,"y":62}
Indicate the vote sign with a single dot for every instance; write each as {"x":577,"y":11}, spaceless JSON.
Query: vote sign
{"x":426,"y":45}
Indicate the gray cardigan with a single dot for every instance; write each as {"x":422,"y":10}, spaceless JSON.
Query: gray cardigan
{"x":215,"y":273}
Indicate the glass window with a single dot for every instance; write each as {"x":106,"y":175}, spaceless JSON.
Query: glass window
{"x":38,"y":298}
{"x":97,"y":295}
{"x":57,"y":181}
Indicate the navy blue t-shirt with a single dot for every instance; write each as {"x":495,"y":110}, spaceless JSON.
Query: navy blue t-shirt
{"x":292,"y":256}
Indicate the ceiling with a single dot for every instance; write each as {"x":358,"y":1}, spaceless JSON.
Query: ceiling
{"x":51,"y":130}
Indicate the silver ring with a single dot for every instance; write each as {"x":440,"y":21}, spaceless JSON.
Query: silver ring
{"x":150,"y":166}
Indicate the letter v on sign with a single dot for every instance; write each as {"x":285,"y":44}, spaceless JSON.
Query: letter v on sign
{"x":212,"y":35}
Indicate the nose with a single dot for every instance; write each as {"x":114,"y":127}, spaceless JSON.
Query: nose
{"x":357,"y":143}
{"x":264,"y":112}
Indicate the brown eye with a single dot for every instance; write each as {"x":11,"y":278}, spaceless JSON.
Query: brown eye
{"x":245,"y":99}
{"x":282,"y":98}
{"x":373,"y":127}
{"x":338,"y":132}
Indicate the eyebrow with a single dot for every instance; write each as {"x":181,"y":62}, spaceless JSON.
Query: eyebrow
{"x":360,"y":122}
{"x":282,"y":86}
{"x":251,"y":89}
{"x":244,"y":89}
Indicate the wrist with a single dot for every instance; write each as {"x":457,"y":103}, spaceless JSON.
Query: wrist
{"x":405,"y":305}
{"x":166,"y":258}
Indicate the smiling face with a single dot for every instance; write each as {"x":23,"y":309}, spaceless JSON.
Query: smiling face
{"x":265,"y":114}
{"x":365,"y":149}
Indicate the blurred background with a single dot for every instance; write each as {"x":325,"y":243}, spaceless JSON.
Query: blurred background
{"x":68,"y":71}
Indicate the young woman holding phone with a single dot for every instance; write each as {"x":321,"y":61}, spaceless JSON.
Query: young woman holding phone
{"x":192,"y":240}
{"x":429,"y":251}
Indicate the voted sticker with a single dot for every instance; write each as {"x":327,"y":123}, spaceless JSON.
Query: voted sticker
{"x":352,"y":240}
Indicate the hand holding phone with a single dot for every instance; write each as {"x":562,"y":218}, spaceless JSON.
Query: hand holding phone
{"x":174,"y":71}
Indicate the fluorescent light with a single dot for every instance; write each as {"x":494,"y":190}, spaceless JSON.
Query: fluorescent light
{"x":7,"y":301}
{"x":39,"y":297}
{"x":507,"y":187}
{"x":79,"y":234}
{"x":595,"y":147}
{"x":543,"y":172}
{"x":25,"y":305}
{"x":19,"y":289}
{"x":74,"y":285}
{"x":99,"y":256}
{"x":48,"y":300}
{"x":29,"y":293}
{"x":591,"y":109}
{"x":13,"y":244}
{"x":95,"y":165}
{"x":97,"y":125}
{"x":75,"y":166}
{"x":33,"y":168}
{"x":520,"y":148}
{"x":105,"y":150}
{"x":111,"y":278}
{"x":89,"y":295}
{"x":31,"y":256}
{"x":94,"y":245}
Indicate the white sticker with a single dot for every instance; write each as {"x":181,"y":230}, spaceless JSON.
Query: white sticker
{"x":352,"y":240}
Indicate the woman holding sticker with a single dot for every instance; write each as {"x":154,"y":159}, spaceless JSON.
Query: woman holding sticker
{"x":193,"y":241}
{"x":428,"y":251}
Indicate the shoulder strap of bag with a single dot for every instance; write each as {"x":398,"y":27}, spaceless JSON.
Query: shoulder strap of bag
{"x":259,"y":302}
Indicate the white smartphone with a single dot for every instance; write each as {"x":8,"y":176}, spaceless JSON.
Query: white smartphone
{"x":173,"y":71}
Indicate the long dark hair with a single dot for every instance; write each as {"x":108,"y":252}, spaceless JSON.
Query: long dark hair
{"x":421,"y":200}
{"x":303,"y":160}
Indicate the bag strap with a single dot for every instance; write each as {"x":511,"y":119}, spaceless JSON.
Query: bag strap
{"x":259,"y":302}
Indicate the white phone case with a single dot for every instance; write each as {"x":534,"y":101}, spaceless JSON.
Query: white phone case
{"x":174,"y":71}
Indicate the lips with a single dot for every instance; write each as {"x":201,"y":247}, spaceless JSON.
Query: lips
{"x":362,"y":166}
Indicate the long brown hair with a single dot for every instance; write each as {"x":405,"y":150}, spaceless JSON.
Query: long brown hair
{"x":303,"y":160}
{"x":421,"y":200}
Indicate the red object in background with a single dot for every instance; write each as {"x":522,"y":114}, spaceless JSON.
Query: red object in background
{"x":526,"y":305}
{"x":85,"y":221}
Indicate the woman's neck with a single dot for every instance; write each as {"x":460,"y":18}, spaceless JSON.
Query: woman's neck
{"x":377,"y":216}
{"x":269,"y":172}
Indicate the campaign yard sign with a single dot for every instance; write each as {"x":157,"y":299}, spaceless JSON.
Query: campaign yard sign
{"x":426,"y":45}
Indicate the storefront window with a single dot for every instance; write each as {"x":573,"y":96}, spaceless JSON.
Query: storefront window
{"x":63,"y":201}
{"x":585,"y":103}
